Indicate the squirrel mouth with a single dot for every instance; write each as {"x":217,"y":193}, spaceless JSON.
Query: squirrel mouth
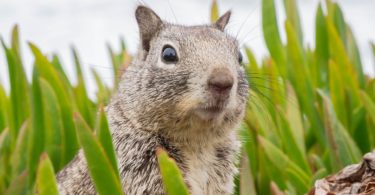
{"x":210,"y":112}
{"x":213,"y":109}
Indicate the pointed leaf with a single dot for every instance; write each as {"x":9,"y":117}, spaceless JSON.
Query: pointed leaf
{"x":4,"y":109}
{"x":18,"y":186}
{"x":20,"y":158}
{"x":103,"y":93}
{"x":369,"y":105}
{"x":343,"y":149}
{"x":100,"y":168}
{"x":214,"y":11}
{"x":322,"y":48}
{"x":295,"y":175}
{"x":19,"y":105}
{"x":271,"y":34}
{"x":46,"y":181}
{"x":83,"y":102}
{"x":47,"y":71}
{"x":172,"y":178}
{"x":291,"y":10}
{"x":37,"y":134}
{"x":105,"y":139}
{"x":247,"y":185}
{"x":355,"y":57}
{"x":54,"y":137}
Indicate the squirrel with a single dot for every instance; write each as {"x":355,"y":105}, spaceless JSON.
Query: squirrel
{"x":185,"y":91}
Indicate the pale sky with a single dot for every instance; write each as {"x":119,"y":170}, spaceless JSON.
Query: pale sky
{"x":55,"y":25}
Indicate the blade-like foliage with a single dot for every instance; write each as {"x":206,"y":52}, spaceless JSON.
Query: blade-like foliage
{"x":99,"y":164}
{"x":311,"y":111}
{"x":104,"y":136}
{"x":45,"y":181}
{"x":214,"y":11}
{"x":36,"y":142}
{"x":172,"y":178}
{"x":271,"y":34}
{"x":49,"y":73}
{"x":53,"y":143}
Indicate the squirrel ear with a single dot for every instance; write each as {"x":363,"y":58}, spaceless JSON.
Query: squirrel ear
{"x":223,"y":21}
{"x":149,"y":24}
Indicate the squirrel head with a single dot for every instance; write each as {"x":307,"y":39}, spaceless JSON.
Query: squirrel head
{"x":184,"y":78}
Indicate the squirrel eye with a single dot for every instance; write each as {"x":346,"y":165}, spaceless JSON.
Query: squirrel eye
{"x":240,"y":58}
{"x":169,"y":54}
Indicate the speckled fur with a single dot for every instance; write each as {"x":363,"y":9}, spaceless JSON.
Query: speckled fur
{"x":156,"y":106}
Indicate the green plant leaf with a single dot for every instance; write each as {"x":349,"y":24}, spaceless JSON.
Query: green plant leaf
{"x":58,"y":66}
{"x":172,"y":178}
{"x":49,"y":73}
{"x":214,"y":11}
{"x":295,"y":153}
{"x":37,"y":134}
{"x":19,"y":158}
{"x":101,"y":170}
{"x":337,"y":17}
{"x":54,"y":135}
{"x":321,"y":48}
{"x":247,"y":185}
{"x":344,"y":150}
{"x":4,"y":156}
{"x":304,"y":90}
{"x":45,"y":181}
{"x":339,"y":55}
{"x":337,"y":92}
{"x":369,"y":105}
{"x":272,"y":36}
{"x":83,"y":101}
{"x":4,"y":109}
{"x":274,"y":85}
{"x":252,"y":69}
{"x":295,"y":175}
{"x":250,"y":146}
{"x":18,"y":86}
{"x":118,"y":61}
{"x":291,"y":10}
{"x":258,"y":118}
{"x":294,"y":119}
{"x":19,"y":185}
{"x":103,"y":94}
{"x":105,"y":138}
{"x":355,"y":57}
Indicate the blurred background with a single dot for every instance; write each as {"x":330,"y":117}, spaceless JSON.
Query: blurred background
{"x":56,"y":25}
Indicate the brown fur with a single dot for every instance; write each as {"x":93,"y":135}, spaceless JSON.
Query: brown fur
{"x":164,"y":104}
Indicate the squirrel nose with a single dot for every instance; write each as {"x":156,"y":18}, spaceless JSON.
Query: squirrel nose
{"x":220,"y":82}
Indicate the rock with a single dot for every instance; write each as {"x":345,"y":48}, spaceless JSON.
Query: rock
{"x":353,"y":179}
